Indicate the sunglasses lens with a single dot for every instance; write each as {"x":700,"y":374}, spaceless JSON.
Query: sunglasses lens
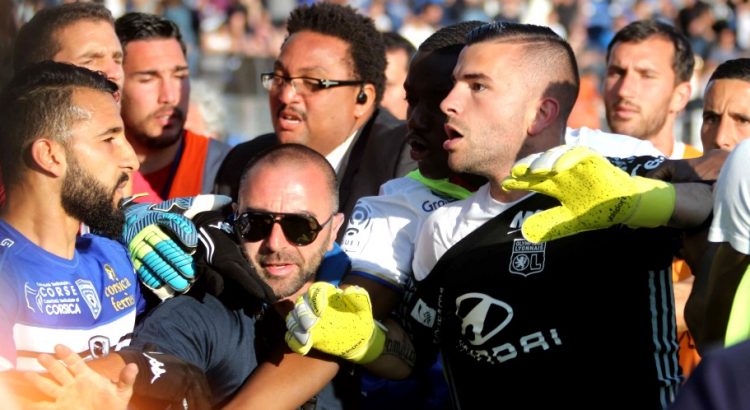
{"x":258,"y":227}
{"x":299,"y":229}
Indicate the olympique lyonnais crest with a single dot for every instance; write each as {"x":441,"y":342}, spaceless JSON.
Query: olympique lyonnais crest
{"x":88,"y":291}
{"x":527,"y":258}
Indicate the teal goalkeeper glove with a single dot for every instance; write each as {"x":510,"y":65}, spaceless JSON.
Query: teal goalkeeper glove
{"x":593,"y":194}
{"x":161,"y":239}
{"x":337,"y":322}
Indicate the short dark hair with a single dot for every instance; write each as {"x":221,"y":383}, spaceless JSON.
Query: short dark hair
{"x":296,"y":154}
{"x":366,"y":45}
{"x":36,"y":40}
{"x":550,"y":55}
{"x":637,"y":31}
{"x":136,"y":26}
{"x":449,"y":36}
{"x":394,"y":42}
{"x":42,"y":107}
{"x":737,"y":69}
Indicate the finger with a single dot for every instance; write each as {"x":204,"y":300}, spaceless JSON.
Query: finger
{"x":205,"y":202}
{"x":75,"y":364}
{"x":516,"y":183}
{"x":181,"y":228}
{"x":56,"y":369}
{"x":304,"y":315}
{"x":522,"y":165}
{"x":43,"y":384}
{"x":127,"y":377}
{"x":148,"y":277}
{"x":545,"y":162}
{"x":295,"y":329}
{"x":295,"y":345}
{"x":176,"y":257}
{"x":317,"y":296}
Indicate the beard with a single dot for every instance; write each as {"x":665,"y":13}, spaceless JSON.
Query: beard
{"x":89,"y":201}
{"x":285,"y":287}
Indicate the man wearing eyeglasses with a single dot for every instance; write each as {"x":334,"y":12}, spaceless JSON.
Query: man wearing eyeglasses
{"x":324,"y":92}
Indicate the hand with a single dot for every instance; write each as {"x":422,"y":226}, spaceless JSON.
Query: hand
{"x":702,"y":169}
{"x":335,"y":321}
{"x":161,"y":239}
{"x":73,"y":385}
{"x":593,"y":193}
{"x":222,"y":264}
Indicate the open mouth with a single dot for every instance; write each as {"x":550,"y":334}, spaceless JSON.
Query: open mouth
{"x":289,"y":118}
{"x":452,"y":132}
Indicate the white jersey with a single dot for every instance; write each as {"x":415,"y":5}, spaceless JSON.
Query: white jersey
{"x":452,"y":223}
{"x":382,"y":230}
{"x":731,"y":221}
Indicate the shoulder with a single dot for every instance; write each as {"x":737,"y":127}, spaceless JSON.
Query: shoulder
{"x":609,"y":144}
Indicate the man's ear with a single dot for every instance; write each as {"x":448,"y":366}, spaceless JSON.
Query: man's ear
{"x":547,"y":112}
{"x":336,"y":223}
{"x":363,"y":106}
{"x":48,"y":156}
{"x":680,"y":97}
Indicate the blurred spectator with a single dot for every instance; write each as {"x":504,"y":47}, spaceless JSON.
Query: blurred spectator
{"x":724,"y":46}
{"x":398,"y":53}
{"x":425,"y":21}
{"x":206,"y":112}
{"x":187,"y":20}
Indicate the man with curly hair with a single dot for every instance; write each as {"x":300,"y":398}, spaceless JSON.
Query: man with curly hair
{"x":324,"y":92}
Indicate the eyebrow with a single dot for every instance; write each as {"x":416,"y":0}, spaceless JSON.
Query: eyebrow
{"x":473,"y":77}
{"x":175,"y":69}
{"x":113,"y":130}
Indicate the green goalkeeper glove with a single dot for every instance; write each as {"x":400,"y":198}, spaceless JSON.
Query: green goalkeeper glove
{"x":337,"y":322}
{"x":594,"y":194}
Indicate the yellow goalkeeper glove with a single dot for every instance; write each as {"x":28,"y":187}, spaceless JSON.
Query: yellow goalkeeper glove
{"x":593,"y":193}
{"x":337,"y":322}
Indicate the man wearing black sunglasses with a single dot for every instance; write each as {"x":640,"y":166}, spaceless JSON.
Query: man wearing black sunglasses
{"x":324,"y":92}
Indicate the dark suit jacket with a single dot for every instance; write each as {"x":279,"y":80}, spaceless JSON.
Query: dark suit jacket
{"x":379,"y":153}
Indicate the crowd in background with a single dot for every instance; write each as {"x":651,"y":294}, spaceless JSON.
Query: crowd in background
{"x":231,"y":41}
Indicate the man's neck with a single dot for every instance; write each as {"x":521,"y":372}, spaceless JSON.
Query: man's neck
{"x":41,"y":221}
{"x":664,"y":139}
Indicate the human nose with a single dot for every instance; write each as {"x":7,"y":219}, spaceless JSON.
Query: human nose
{"x":450,"y":105}
{"x":287,"y":91}
{"x":169,"y":91}
{"x":627,"y":86}
{"x":129,"y":159}
{"x":726,"y":137}
{"x":276,"y":239}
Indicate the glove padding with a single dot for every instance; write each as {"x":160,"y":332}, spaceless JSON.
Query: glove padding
{"x":593,"y":193}
{"x":337,"y":322}
{"x":161,"y":239}
{"x":222,"y":265}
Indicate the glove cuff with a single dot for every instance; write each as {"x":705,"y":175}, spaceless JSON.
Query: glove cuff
{"x":655,"y":205}
{"x":375,"y":346}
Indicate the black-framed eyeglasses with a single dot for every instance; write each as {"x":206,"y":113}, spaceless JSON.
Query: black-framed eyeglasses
{"x":299,"y":229}
{"x":303,"y":85}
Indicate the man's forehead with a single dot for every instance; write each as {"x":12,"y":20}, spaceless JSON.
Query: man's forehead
{"x":315,"y":49}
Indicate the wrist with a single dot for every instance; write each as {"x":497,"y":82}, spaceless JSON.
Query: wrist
{"x":655,"y":205}
{"x":375,"y":345}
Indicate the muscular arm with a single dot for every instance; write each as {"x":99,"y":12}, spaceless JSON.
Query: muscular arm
{"x":285,"y":383}
{"x":693,"y":203}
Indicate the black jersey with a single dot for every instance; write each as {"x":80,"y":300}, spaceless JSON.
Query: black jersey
{"x":586,"y":321}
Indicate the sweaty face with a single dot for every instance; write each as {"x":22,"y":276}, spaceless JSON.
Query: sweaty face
{"x":639,"y":87}
{"x":394,"y":97}
{"x":284,"y":266}
{"x":487,"y":109}
{"x":427,"y":84}
{"x":99,"y":163}
{"x":325,"y":118}
{"x":94,"y":45}
{"x":156,"y":93}
{"x":726,"y":114}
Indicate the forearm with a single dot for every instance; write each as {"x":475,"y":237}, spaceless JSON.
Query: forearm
{"x":286,"y":384}
{"x":398,"y":357}
{"x":727,"y":270}
{"x":693,"y":205}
